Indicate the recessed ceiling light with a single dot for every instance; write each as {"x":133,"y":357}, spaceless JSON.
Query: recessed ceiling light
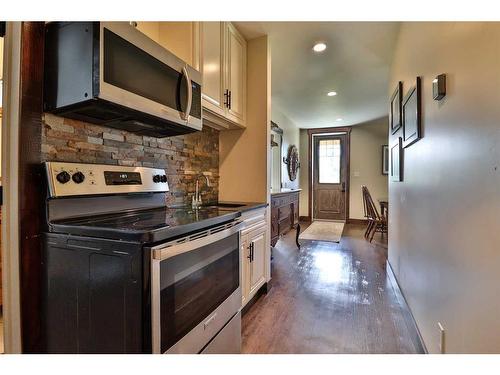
{"x":332,"y":93}
{"x":319,"y":47}
{"x":339,"y":119}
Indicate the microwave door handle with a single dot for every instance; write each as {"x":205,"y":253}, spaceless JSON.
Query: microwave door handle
{"x":185,"y":74}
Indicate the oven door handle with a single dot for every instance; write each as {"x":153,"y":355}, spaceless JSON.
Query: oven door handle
{"x":184,"y":245}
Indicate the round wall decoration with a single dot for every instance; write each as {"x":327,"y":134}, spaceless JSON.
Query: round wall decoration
{"x":292,"y":162}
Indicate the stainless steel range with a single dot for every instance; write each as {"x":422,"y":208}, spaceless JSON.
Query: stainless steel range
{"x":125,"y":274}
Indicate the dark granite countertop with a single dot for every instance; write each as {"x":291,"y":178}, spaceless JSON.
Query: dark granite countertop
{"x":153,"y":225}
{"x":284,"y":191}
{"x":244,"y":206}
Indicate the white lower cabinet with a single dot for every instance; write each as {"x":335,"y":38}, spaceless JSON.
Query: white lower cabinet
{"x":255,"y":254}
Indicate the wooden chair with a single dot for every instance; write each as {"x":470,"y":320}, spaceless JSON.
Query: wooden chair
{"x":365,"y":210}
{"x":376,"y":222}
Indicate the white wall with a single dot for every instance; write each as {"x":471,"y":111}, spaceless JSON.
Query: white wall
{"x":290,"y":137}
{"x":444,"y":237}
{"x":366,"y":164}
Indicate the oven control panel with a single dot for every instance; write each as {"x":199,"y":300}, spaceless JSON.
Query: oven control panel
{"x":75,"y":179}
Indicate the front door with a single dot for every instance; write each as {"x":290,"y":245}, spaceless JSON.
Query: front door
{"x":329,"y":177}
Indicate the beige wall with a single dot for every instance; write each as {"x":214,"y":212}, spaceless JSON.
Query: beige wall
{"x":444,"y":218}
{"x":366,"y":164}
{"x":366,"y":158}
{"x":290,"y":137}
{"x":244,"y":165}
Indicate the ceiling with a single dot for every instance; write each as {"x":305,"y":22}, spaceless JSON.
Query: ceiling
{"x":355,"y":64}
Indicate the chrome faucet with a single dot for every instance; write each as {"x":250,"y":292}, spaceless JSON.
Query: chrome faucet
{"x":197,"y":197}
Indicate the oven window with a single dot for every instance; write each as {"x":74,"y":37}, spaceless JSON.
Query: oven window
{"x":130,"y":68}
{"x":194,"y":284}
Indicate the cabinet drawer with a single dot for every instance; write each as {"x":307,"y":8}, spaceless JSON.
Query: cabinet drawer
{"x":284,"y":212}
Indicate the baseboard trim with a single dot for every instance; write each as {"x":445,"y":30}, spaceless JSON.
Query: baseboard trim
{"x":305,"y":218}
{"x":408,"y":315}
{"x":357,"y":221}
{"x":262,"y":290}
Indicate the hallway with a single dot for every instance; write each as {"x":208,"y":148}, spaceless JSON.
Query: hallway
{"x":330,"y":298}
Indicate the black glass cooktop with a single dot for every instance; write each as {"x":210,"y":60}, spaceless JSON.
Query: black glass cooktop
{"x":150,"y":225}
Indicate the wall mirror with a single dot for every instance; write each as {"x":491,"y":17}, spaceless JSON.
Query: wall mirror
{"x":276,"y":143}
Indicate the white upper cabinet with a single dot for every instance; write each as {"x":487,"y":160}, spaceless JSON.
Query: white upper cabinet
{"x":236,"y":74}
{"x":224,"y":60}
{"x":213,"y":67}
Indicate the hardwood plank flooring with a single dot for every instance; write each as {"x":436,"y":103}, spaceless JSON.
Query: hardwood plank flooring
{"x":329,"y":298}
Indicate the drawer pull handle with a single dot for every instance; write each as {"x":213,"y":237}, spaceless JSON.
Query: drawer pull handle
{"x":209,"y":320}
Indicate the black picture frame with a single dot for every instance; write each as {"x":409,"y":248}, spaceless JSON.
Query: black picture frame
{"x":395,"y":108}
{"x":397,"y":161}
{"x":412,"y":116}
{"x":385,"y":159}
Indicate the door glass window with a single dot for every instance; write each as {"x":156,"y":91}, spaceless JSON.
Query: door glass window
{"x":329,"y":161}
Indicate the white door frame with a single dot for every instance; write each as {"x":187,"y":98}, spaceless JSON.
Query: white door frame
{"x":10,"y":179}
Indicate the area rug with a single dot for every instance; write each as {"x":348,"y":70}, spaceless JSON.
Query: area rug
{"x":323,"y":231}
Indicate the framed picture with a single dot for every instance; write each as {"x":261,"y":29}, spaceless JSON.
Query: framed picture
{"x":397,"y":161}
{"x":395,"y":120}
{"x":412,"y":115}
{"x":385,"y":159}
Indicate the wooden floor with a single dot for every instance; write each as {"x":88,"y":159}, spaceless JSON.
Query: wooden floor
{"x":329,"y":298}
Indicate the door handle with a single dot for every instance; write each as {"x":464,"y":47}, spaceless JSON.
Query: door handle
{"x":343,"y":187}
{"x":250,"y":255}
{"x":185,"y":115}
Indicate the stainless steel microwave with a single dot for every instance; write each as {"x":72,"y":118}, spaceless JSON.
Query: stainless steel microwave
{"x":111,"y":74}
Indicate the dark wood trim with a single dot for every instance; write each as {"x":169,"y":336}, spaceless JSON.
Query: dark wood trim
{"x":310,"y":133}
{"x":357,"y":221}
{"x":398,"y":93}
{"x":30,"y":188}
{"x":305,"y":218}
{"x":415,"y":90}
{"x":407,"y":314}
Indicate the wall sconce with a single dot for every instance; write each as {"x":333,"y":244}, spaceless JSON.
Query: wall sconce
{"x":439,"y":87}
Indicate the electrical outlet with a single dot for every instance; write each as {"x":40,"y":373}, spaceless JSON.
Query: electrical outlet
{"x":442,"y":347}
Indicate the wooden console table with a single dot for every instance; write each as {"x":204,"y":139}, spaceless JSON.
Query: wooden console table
{"x":284,"y":214}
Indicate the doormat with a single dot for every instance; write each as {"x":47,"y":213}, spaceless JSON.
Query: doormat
{"x":330,"y":231}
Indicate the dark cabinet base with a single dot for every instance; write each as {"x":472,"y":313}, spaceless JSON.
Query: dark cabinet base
{"x":93,"y":296}
{"x":284,"y":215}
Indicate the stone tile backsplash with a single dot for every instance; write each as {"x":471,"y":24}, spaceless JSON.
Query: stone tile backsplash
{"x":183,"y":157}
